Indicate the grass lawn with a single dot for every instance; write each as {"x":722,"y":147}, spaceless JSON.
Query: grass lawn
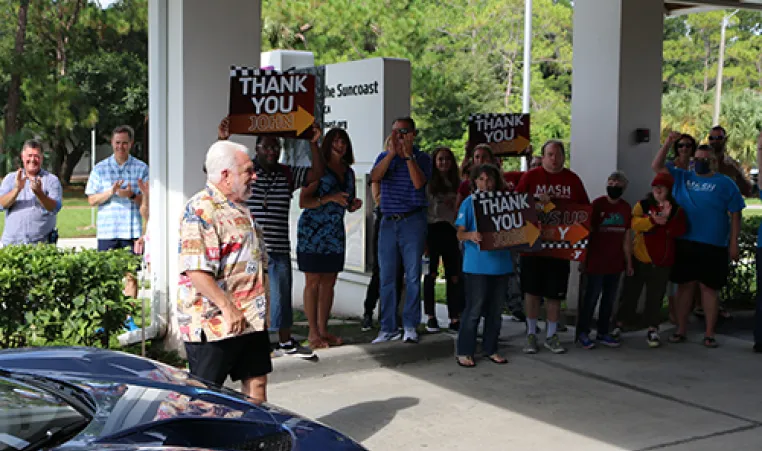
{"x":74,"y":218}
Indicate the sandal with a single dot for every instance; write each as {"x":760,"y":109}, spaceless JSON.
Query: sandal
{"x":676,"y":338}
{"x":498,"y":359}
{"x":318,"y":344}
{"x":332,"y":340}
{"x":465,"y":361}
{"x":710,"y":342}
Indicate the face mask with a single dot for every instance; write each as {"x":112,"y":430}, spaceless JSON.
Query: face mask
{"x":614,"y":192}
{"x":702,"y":167}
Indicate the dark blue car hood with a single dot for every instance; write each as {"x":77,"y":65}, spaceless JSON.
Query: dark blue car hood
{"x":141,"y":402}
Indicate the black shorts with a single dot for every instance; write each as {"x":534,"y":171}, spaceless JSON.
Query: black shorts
{"x":107,"y":245}
{"x":700,"y":262}
{"x":546,"y":277}
{"x":243,"y":357}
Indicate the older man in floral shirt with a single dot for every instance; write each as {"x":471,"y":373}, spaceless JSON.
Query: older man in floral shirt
{"x":222,"y":299}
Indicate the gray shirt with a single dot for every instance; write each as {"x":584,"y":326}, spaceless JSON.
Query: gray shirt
{"x":27,"y":221}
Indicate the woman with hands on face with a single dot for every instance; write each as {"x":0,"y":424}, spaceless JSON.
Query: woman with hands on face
{"x":321,"y":240}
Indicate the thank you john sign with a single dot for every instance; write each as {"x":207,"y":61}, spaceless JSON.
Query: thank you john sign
{"x":266,"y":102}
{"x":506,"y":220}
{"x":507,"y":134}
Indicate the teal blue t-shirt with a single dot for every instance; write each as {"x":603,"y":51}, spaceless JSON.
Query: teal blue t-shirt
{"x":475,"y":261}
{"x":707,"y":202}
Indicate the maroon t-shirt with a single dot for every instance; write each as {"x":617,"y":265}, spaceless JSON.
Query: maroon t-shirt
{"x":561,"y":186}
{"x":609,"y":224}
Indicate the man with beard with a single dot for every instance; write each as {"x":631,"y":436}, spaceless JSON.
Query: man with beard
{"x":269,"y":205}
{"x":222,"y":286}
{"x":718,"y":139}
{"x":31,"y":198}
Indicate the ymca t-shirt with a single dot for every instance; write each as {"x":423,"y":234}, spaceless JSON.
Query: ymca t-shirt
{"x":609,"y":224}
{"x":476,"y":261}
{"x":562,"y":186}
{"x":707,"y":202}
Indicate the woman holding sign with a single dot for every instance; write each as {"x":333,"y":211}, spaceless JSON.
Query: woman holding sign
{"x":441,"y":240}
{"x":321,"y":240}
{"x":485,"y":274}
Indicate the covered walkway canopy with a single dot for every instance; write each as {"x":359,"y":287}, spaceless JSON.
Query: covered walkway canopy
{"x":616,"y":89}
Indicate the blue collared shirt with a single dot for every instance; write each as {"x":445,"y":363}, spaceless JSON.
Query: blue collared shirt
{"x":119,"y":217}
{"x":27,"y":221}
{"x":398,"y":194}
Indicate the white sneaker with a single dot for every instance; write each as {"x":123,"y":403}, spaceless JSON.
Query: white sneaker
{"x":384,"y":337}
{"x":411,"y":335}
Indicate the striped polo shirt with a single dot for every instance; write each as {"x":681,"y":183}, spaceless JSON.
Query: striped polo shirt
{"x":269,"y":205}
{"x":398,"y":195}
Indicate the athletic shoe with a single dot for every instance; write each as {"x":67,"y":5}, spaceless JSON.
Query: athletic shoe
{"x":531,"y":346}
{"x":432,"y":325}
{"x":553,"y":344}
{"x":294,"y":349}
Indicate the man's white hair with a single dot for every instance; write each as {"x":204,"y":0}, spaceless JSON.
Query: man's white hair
{"x":220,"y":157}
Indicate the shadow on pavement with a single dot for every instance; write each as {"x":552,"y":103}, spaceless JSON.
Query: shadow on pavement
{"x":361,"y":421}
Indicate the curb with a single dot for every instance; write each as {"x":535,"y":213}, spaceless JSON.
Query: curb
{"x":349,"y":358}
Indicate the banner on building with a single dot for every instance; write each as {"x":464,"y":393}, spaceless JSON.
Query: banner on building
{"x":506,"y":133}
{"x":506,"y":221}
{"x":267,"y":102}
{"x":565,"y":231}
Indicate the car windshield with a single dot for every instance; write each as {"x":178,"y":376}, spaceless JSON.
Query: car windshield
{"x":33,"y":415}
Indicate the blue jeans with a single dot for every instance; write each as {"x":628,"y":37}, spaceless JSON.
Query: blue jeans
{"x":758,"y":314}
{"x":281,"y":282}
{"x":603,"y":286}
{"x":484,"y":293}
{"x":405,"y":238}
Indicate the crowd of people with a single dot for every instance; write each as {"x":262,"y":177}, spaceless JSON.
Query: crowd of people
{"x":236,"y":278}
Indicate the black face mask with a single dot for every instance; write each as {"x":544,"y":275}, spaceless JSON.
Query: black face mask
{"x":614,"y":192}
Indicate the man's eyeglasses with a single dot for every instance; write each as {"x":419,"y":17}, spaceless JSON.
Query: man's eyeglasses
{"x":402,"y":131}
{"x":270,"y":148}
{"x":684,"y":145}
{"x":716,"y":138}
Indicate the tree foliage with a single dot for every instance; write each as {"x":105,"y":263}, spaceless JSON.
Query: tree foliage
{"x":83,"y":67}
{"x":467,"y":57}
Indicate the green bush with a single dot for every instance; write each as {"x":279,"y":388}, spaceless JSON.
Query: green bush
{"x":741,"y":289}
{"x":55,"y":296}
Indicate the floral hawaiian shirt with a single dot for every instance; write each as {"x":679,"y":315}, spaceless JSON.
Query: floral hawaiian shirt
{"x":219,"y":237}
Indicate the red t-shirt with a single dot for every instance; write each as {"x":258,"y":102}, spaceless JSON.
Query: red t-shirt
{"x":511,"y":180}
{"x":563,"y":186}
{"x":609,"y":224}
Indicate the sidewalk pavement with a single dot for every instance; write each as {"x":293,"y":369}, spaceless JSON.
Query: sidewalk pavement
{"x":87,"y":243}
{"x":679,"y":397}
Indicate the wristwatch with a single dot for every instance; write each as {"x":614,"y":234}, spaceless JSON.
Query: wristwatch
{"x":133,"y":196}
{"x":407,"y":158}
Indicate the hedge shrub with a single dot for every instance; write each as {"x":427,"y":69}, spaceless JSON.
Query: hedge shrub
{"x":741,"y":289}
{"x":56,"y":296}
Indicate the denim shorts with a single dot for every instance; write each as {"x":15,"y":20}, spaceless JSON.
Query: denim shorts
{"x":281,"y":284}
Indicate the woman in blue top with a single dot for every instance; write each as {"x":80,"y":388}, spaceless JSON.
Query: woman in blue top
{"x":485,"y":274}
{"x":320,"y":233}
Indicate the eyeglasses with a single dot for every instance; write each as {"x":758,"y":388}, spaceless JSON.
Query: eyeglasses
{"x":270,"y":148}
{"x":682,"y":145}
{"x":716,"y":138}
{"x":402,"y":131}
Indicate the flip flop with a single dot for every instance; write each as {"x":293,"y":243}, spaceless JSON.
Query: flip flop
{"x":318,"y":344}
{"x":332,"y":340}
{"x":494,"y":358}
{"x":465,"y":365}
{"x":676,"y":338}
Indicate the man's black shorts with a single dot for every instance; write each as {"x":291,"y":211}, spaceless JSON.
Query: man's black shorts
{"x":701,"y":262}
{"x":243,"y":357}
{"x":546,"y":277}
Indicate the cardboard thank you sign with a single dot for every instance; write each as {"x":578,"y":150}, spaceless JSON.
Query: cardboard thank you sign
{"x":506,"y":220}
{"x":565,"y":231}
{"x":266,"y":102}
{"x":507,"y":134}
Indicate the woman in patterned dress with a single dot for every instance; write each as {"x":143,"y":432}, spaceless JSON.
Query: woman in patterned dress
{"x":321,"y":239}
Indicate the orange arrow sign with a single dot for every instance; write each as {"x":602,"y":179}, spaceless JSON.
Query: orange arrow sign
{"x":576,"y":233}
{"x":302,"y":120}
{"x":531,"y":232}
{"x":571,"y":233}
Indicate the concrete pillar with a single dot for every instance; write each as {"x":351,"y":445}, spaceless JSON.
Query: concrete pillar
{"x":192,"y":44}
{"x":616,"y":89}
